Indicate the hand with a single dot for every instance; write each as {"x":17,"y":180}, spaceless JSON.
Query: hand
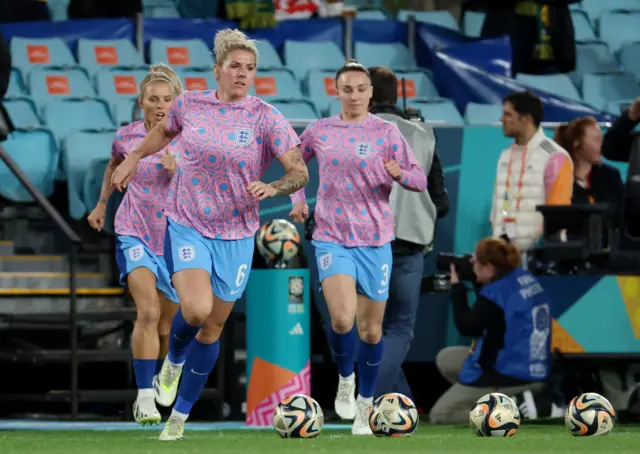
{"x":96,"y":218}
{"x":169,"y":162}
{"x":634,"y":110}
{"x":125,"y":172}
{"x":261,"y":190}
{"x":299,"y":213}
{"x":393,"y":169}
{"x":454,"y":274}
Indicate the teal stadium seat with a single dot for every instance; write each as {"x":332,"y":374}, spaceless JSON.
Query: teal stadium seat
{"x":334,"y":108}
{"x":442,"y":18}
{"x":197,"y":8}
{"x":124,"y":111}
{"x":630,"y":58}
{"x":320,"y":88}
{"x":268,"y":57}
{"x":35,"y":152}
{"x":66,"y":116}
{"x":198,"y":80}
{"x":616,"y":28}
{"x":95,"y":55}
{"x":591,"y":58}
{"x":418,"y":86}
{"x":472,"y":23}
{"x":392,"y":55}
{"x":596,"y":8}
{"x":441,"y":111}
{"x":372,"y":14}
{"x":116,"y":84}
{"x":47,"y":85}
{"x":80,"y":149}
{"x":482,"y":114}
{"x":92,"y":184}
{"x":582,"y":26}
{"x":181,"y":54}
{"x":28,"y":53}
{"x":16,"y":86}
{"x":300,"y":57}
{"x":164,"y":11}
{"x":58,"y":9}
{"x":296,"y":110}
{"x":276,"y":83}
{"x":557,"y":84}
{"x":601,"y":89}
{"x":22,"y":112}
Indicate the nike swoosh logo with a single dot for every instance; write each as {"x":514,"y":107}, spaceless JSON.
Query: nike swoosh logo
{"x":198,"y":373}
{"x":382,"y":291}
{"x":233,"y":292}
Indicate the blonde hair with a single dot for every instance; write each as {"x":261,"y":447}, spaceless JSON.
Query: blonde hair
{"x":161,"y":73}
{"x":228,"y":40}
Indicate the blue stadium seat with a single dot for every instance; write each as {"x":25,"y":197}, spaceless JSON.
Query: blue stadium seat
{"x":372,"y":14}
{"x":35,"y":152}
{"x":91,"y":192}
{"x":23,"y":113}
{"x":557,"y":84}
{"x":472,"y":23}
{"x":58,"y":9}
{"x":95,"y":55}
{"x":66,"y":116}
{"x":268,"y":57}
{"x":591,"y":58}
{"x":168,"y":11}
{"x":124,"y":111}
{"x":301,"y":56}
{"x":276,"y":83}
{"x":116,"y":84}
{"x":582,"y":26}
{"x":79,"y":150}
{"x":616,"y":28}
{"x":16,"y":86}
{"x":47,"y":84}
{"x":392,"y":55}
{"x":442,"y":18}
{"x":439,"y":111}
{"x":186,"y":53}
{"x":320,"y":88}
{"x":198,"y":80}
{"x":630,"y":58}
{"x":595,"y":8}
{"x":600,"y":89}
{"x":417,"y":85}
{"x":334,"y":108}
{"x":296,"y":110}
{"x":28,"y":53}
{"x":482,"y":114}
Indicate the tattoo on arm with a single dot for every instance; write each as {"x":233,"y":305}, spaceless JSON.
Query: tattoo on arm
{"x":295,"y":178}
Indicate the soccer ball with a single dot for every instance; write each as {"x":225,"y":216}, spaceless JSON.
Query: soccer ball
{"x":393,"y":415}
{"x":278,"y":241}
{"x":589,"y":414}
{"x":298,"y":416}
{"x":495,"y":415}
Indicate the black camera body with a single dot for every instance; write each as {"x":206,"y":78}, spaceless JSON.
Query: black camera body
{"x":462,"y":264}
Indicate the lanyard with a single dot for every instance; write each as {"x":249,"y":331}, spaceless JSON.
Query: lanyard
{"x":505,"y":203}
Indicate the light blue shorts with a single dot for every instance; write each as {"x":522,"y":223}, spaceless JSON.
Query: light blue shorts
{"x":369,"y":266}
{"x":227,"y":261}
{"x":132,"y":253}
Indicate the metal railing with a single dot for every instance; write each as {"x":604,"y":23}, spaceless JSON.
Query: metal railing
{"x":76,"y":242}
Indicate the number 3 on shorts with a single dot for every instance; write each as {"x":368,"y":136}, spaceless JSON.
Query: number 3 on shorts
{"x":385,"y":271}
{"x":241,"y":275}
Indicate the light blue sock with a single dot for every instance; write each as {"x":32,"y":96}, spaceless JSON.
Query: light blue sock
{"x":201,"y":359}
{"x":180,"y":336}
{"x":369,"y":358}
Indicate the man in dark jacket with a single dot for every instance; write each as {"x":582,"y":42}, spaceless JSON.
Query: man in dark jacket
{"x":415,"y":215}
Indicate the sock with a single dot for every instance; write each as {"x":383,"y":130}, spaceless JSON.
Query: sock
{"x":369,"y":358}
{"x":159,"y":363}
{"x":180,"y":337}
{"x":343,"y":346}
{"x":143,"y":370}
{"x":201,"y":358}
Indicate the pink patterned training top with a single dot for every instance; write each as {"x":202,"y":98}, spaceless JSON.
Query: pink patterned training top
{"x":353,"y":198}
{"x":225,"y":146}
{"x":141,"y":212}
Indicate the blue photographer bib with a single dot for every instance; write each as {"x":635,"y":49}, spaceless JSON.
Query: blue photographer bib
{"x":527,"y":342}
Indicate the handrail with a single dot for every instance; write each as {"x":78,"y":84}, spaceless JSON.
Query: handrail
{"x":75,"y":242}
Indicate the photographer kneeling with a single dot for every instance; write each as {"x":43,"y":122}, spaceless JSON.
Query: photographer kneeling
{"x":511,"y":324}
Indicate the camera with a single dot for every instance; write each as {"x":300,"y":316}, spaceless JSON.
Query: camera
{"x":462,"y":264}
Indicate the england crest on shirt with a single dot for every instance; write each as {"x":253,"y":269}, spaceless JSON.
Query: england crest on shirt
{"x":244,"y":136}
{"x":363,"y":149}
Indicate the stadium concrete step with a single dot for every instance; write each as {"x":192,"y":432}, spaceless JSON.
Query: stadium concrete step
{"x":6,"y":248}
{"x":49,"y":280}
{"x":42,"y":263}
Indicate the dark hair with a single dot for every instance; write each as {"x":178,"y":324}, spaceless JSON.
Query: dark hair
{"x":503,"y":255}
{"x":352,"y":65}
{"x":385,"y":85}
{"x":570,"y":134}
{"x":526,"y":103}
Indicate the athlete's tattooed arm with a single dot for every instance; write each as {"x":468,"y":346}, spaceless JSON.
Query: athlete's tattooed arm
{"x":296,"y":174}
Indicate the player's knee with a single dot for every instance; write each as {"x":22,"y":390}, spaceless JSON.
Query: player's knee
{"x":148,"y":313}
{"x":210,"y":333}
{"x":342,"y":323}
{"x":370,"y":333}
{"x":195,"y":314}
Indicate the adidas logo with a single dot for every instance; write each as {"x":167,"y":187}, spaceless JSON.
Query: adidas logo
{"x":296,"y":330}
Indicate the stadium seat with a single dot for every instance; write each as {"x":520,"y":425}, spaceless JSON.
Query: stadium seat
{"x":39,"y":164}
{"x":168,"y":11}
{"x":630,"y":58}
{"x":601,"y":89}
{"x":198,"y":80}
{"x":92,"y":184}
{"x":124,"y":111}
{"x":276,"y":83}
{"x":616,"y":28}
{"x":187,"y":53}
{"x":58,"y":9}
{"x":582,"y":26}
{"x":116,"y":84}
{"x":79,"y":150}
{"x":392,"y":55}
{"x":439,"y":111}
{"x":472,"y":23}
{"x":442,"y":18}
{"x":197,"y":8}
{"x":268,"y":57}
{"x":301,"y":56}
{"x":417,"y":86}
{"x":22,"y":112}
{"x":46,"y":85}
{"x":590,"y":58}
{"x":16,"y":86}
{"x":99,"y":54}
{"x":372,"y":14}
{"x":66,"y":116}
{"x":334,"y":108}
{"x":296,"y":110}
{"x":482,"y":114}
{"x":557,"y":84}
{"x":28,"y":53}
{"x":618,"y":107}
{"x":595,"y":8}
{"x":321,"y":89}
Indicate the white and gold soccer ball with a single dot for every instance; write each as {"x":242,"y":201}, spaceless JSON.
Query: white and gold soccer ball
{"x":278,"y":241}
{"x":298,"y":416}
{"x":393,"y":415}
{"x":589,"y":414}
{"x":495,"y":415}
